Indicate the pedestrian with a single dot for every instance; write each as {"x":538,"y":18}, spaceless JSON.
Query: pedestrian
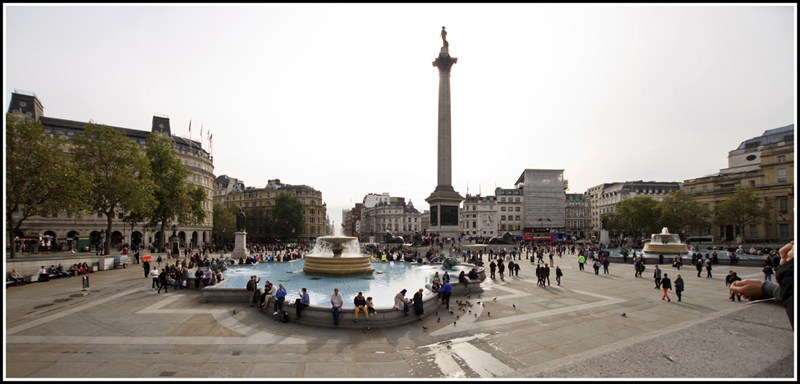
{"x":510,"y":268}
{"x":336,"y":302}
{"x":159,"y":260}
{"x":418,"y":304}
{"x":538,"y":275}
{"x":606,"y":262}
{"x":635,"y":267}
{"x":492,"y":267}
{"x":768,"y":273}
{"x":699,"y":266}
{"x":146,"y":267}
{"x":708,"y":268}
{"x":596,"y":266}
{"x":446,"y":291}
{"x":516,"y":269}
{"x":501,"y":268}
{"x":679,"y":286}
{"x":546,"y":274}
{"x":154,"y":275}
{"x":657,"y":277}
{"x":163,"y":280}
{"x":558,"y":275}
{"x":581,"y":260}
{"x":666,"y":284}
{"x":734,"y":295}
{"x":782,"y":291}
{"x":252,"y":286}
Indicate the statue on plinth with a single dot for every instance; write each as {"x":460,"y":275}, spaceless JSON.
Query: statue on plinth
{"x":444,"y":38}
{"x":240,"y":220}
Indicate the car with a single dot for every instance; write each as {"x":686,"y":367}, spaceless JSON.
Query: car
{"x":122,"y":260}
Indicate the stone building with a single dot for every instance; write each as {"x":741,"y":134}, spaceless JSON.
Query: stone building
{"x":764,"y":163}
{"x":229,"y":193}
{"x":604,"y":198}
{"x":510,"y":210}
{"x":479,"y":216}
{"x":578,"y":216}
{"x":387,"y":214}
{"x":544,"y":193}
{"x":351,"y":220}
{"x":67,"y":226}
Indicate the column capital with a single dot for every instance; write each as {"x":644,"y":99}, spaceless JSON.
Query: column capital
{"x":444,"y":62}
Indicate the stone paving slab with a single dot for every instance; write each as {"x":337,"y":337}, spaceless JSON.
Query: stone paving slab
{"x":122,"y":329}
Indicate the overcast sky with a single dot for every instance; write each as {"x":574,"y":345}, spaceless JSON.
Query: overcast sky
{"x":343,"y":98}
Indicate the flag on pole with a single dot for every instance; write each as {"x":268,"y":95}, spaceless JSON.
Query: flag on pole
{"x":190,"y":135}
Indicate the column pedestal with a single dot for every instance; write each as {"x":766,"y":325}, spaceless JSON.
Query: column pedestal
{"x":240,"y":243}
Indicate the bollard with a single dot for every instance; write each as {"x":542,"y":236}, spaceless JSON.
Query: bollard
{"x":85,"y":283}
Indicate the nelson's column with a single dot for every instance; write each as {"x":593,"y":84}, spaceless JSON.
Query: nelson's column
{"x":444,"y":200}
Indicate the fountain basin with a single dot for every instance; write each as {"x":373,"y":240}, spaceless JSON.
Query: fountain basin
{"x":338,"y":266}
{"x":665,"y":243}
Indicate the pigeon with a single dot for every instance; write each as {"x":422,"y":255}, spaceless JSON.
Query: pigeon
{"x":478,"y":302}
{"x":365,"y":330}
{"x":476,"y":315}
{"x":438,"y":319}
{"x":454,"y":323}
{"x":495,"y":299}
{"x":468,"y":296}
{"x":479,"y":296}
{"x":470,"y":311}
{"x":437,"y":313}
{"x":488,"y":314}
{"x":234,"y":311}
{"x":483,"y":305}
{"x":457,"y":316}
{"x":514,"y":305}
{"x":623,"y":314}
{"x":424,"y":327}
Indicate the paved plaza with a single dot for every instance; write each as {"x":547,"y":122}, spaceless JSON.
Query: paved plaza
{"x":123,"y":329}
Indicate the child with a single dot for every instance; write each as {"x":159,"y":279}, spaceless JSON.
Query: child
{"x":370,"y":309}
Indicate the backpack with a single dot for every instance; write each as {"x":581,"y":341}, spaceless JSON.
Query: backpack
{"x":284,"y":318}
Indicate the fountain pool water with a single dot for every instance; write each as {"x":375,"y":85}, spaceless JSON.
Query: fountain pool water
{"x":389,"y":279}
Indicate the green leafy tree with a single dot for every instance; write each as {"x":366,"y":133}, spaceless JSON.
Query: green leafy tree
{"x":176,"y":199}
{"x":224,"y":223}
{"x":680,"y":212}
{"x":257,"y":223}
{"x":287,"y":216}
{"x":40,"y":177}
{"x":637,"y":215}
{"x":743,"y":208}
{"x":117,"y":173}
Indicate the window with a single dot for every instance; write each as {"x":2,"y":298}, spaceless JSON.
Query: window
{"x":705,"y":188}
{"x":691,"y":190}
{"x":753,"y":231}
{"x":781,"y":158}
{"x":99,"y":215}
{"x":516,"y":209}
{"x":785,"y":231}
{"x":752,"y":183}
{"x":503,"y":209}
{"x":503,"y":199}
{"x":784,"y":205}
{"x":503,"y":217}
{"x":474,"y":224}
{"x":782,"y":175}
{"x":516,"y":199}
{"x":705,"y":208}
{"x":516,"y":217}
{"x":121,"y":215}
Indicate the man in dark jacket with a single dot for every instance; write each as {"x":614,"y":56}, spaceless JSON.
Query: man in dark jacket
{"x":783,"y":292}
{"x":734,"y":278}
{"x":657,"y":277}
{"x":546,"y":274}
{"x":666,"y":284}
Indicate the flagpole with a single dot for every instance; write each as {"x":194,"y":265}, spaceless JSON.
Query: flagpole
{"x":190,"y":136}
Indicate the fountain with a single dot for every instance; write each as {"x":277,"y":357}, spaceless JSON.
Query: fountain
{"x":665,"y":243}
{"x":318,"y":263}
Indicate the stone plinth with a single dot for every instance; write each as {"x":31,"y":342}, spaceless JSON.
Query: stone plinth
{"x":604,"y":236}
{"x":338,"y":266}
{"x":240,"y":242}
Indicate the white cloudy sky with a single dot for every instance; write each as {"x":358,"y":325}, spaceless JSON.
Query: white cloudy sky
{"x":344,"y":97}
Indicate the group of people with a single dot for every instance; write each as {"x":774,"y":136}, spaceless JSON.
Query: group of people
{"x":177,"y":275}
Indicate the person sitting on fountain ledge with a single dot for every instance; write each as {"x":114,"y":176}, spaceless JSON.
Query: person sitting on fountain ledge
{"x":400,"y":302}
{"x":336,"y":301}
{"x":361,"y":305}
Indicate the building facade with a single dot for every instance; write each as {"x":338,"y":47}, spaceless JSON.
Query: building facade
{"x":764,"y":163}
{"x":479,"y":216}
{"x":387,"y":214}
{"x":314,"y":208}
{"x":578,"y":216}
{"x":68,"y":225}
{"x":510,"y":210}
{"x":604,"y":198}
{"x":544,"y":193}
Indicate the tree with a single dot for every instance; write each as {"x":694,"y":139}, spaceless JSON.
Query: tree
{"x":175,"y":198}
{"x":40,"y":178}
{"x":224,"y":223}
{"x":118,"y":176}
{"x":741,"y":209}
{"x":257,"y":223}
{"x":287,"y":216}
{"x":637,"y":215}
{"x":680,"y":212}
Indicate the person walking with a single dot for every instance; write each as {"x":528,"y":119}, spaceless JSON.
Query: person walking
{"x":605,"y":266}
{"x":596,"y":266}
{"x":146,"y":267}
{"x":581,"y":260}
{"x":336,"y":305}
{"x":162,"y":280}
{"x":666,"y":284}
{"x":492,"y":267}
{"x":657,"y":277}
{"x":768,"y":273}
{"x":154,"y":275}
{"x":446,"y":291}
{"x":699,"y":266}
{"x":635,"y":267}
{"x":734,"y":278}
{"x":679,"y":286}
{"x":419,"y":307}
{"x":501,"y":268}
{"x":558,"y":275}
{"x":708,"y":268}
{"x":546,"y":274}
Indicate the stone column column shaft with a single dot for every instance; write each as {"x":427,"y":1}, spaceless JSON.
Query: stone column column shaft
{"x":444,"y":177}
